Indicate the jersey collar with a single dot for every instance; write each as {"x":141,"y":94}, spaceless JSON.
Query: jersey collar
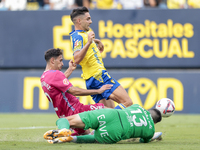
{"x":76,"y":31}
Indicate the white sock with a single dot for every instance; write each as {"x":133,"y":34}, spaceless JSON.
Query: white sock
{"x":74,"y":139}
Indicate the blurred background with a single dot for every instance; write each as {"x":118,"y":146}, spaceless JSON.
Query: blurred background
{"x":151,"y":48}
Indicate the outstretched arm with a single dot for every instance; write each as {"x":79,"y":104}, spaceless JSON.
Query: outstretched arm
{"x":83,"y":92}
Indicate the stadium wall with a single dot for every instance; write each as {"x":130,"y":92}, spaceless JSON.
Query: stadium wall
{"x":152,"y":53}
{"x":21,"y":90}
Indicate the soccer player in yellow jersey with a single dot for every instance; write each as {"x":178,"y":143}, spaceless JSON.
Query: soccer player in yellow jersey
{"x":86,"y":52}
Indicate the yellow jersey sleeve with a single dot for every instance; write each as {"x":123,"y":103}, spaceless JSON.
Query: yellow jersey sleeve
{"x":92,"y":63}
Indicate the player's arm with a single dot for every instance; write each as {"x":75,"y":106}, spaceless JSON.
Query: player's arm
{"x":156,"y":136}
{"x":79,"y":55}
{"x":100,"y":45}
{"x":144,"y":140}
{"x":72,"y":67}
{"x":83,"y":92}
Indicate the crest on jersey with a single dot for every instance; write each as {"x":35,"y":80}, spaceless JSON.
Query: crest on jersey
{"x":65,"y":81}
{"x":77,"y":45}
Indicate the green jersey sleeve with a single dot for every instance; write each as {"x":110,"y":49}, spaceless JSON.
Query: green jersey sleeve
{"x":145,"y":140}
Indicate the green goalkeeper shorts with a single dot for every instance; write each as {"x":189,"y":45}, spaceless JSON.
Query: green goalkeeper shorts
{"x":106,"y":123}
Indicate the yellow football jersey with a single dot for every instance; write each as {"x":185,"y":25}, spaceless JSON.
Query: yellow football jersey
{"x":92,"y":63}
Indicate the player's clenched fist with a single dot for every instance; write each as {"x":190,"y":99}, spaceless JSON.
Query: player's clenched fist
{"x":91,"y":36}
{"x":72,"y":65}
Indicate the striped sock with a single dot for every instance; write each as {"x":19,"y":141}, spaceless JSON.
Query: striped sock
{"x":120,"y":106}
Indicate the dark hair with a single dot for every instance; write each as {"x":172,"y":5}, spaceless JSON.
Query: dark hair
{"x":77,"y":12}
{"x":156,"y":115}
{"x":52,"y":53}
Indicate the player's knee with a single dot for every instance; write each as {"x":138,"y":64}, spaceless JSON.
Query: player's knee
{"x":75,"y":121}
{"x":128,"y":103}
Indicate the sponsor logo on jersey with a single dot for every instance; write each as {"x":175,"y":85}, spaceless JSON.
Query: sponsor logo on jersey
{"x":65,"y":81}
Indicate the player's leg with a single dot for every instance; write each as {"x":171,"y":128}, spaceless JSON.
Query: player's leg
{"x":83,"y":108}
{"x":97,"y":82}
{"x":52,"y":134}
{"x":73,"y":121}
{"x":91,"y":139}
{"x":78,"y":131}
{"x":91,"y":107}
{"x":74,"y":139}
{"x":62,"y":131}
{"x":106,"y":121}
{"x":108,"y":103}
{"x":120,"y":96}
{"x":63,"y":125}
{"x":116,"y":93}
{"x":92,"y":83}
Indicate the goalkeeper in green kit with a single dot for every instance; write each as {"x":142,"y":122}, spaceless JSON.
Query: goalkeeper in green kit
{"x":110,"y":126}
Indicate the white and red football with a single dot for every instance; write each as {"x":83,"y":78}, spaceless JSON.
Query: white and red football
{"x":166,"y":107}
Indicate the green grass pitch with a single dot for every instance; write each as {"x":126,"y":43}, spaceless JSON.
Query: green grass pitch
{"x":25,"y":132}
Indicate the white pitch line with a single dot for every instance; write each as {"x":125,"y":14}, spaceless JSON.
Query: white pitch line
{"x":24,"y":128}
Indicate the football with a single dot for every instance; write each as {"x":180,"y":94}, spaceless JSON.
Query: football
{"x":166,"y":107}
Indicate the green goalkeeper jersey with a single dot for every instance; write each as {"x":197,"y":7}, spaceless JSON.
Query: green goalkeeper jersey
{"x":112,"y":125}
{"x":137,"y":122}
